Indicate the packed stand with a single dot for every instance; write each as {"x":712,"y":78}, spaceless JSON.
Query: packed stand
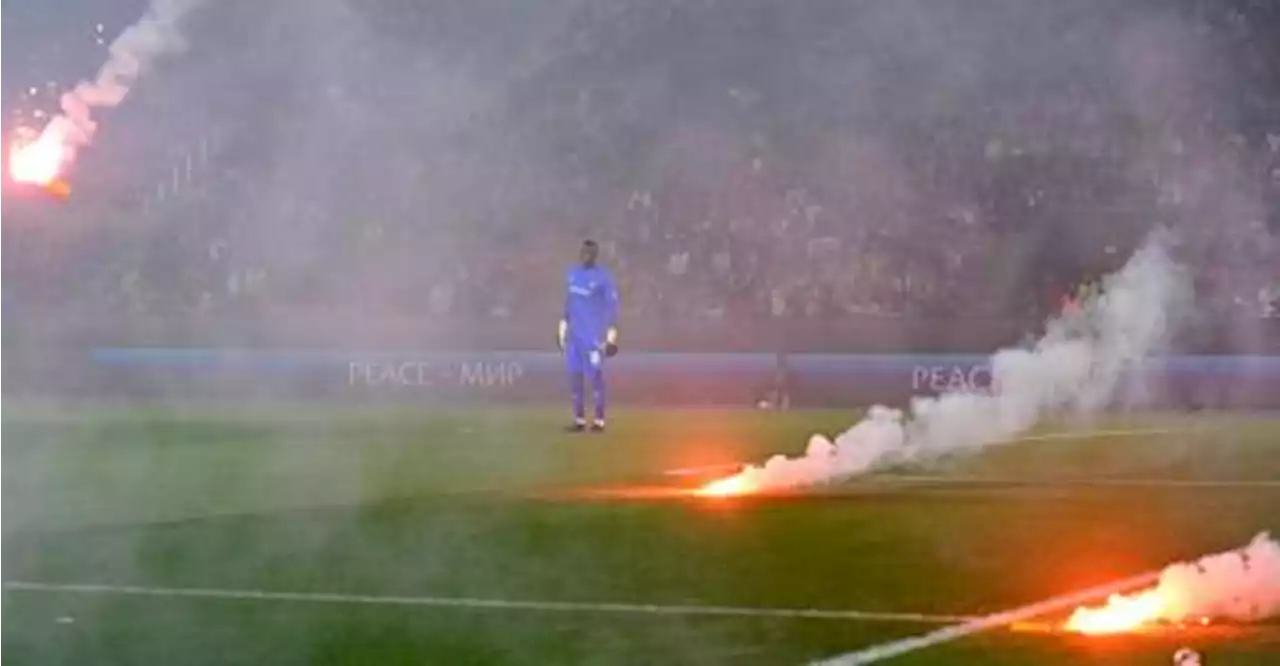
{"x":751,"y":202}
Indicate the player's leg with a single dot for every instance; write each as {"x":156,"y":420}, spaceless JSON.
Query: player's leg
{"x":577,"y":384}
{"x":596,"y":373}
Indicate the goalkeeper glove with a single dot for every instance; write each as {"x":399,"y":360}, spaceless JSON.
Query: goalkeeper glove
{"x":611,"y":342}
{"x":561,"y":333}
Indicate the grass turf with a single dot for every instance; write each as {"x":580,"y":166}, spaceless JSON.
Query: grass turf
{"x":483,"y":503}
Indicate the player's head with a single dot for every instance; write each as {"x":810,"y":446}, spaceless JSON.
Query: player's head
{"x":589,"y":252}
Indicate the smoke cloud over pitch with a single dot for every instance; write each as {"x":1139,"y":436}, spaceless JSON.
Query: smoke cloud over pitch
{"x":1082,"y":363}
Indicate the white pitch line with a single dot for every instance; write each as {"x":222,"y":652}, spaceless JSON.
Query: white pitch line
{"x":1088,"y":434}
{"x":884,"y":651}
{"x":704,"y":469}
{"x":1068,"y":435}
{"x":1085,"y":481}
{"x":475,"y":603}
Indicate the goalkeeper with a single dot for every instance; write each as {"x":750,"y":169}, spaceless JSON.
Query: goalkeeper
{"x":587,"y":333}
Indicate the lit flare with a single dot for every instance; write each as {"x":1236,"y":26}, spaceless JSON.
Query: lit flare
{"x":40,"y":160}
{"x":731,"y":486}
{"x":1120,"y":614}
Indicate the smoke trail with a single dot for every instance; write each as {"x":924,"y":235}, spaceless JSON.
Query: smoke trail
{"x":1079,"y":366}
{"x":1241,"y":585}
{"x":155,"y":34}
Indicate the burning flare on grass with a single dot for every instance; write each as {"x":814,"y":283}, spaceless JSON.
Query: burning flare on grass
{"x":1242,"y":585}
{"x":1119,"y":615}
{"x":41,"y":160}
{"x":1085,"y":359}
{"x":727,"y":487}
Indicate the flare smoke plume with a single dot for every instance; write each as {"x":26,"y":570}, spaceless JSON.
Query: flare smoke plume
{"x":155,"y":34}
{"x":1085,"y":359}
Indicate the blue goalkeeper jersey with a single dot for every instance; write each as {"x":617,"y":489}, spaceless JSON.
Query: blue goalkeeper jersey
{"x":590,"y":304}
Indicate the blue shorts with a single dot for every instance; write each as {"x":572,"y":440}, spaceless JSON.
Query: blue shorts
{"x":581,"y":356}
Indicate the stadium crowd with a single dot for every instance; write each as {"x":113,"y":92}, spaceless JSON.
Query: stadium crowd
{"x":752,"y":197}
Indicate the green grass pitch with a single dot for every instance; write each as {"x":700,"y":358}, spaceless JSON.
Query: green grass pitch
{"x":499,"y":507}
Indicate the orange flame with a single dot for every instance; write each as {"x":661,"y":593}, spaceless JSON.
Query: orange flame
{"x":1120,"y":614}
{"x":39,"y":161}
{"x":58,"y":188}
{"x":737,"y":484}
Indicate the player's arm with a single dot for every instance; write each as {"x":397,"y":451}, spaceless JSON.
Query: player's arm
{"x":611,"y":315}
{"x":563,"y":330}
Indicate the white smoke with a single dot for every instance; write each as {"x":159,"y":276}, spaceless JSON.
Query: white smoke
{"x":155,"y":34}
{"x":1242,"y":585}
{"x":1236,"y":585}
{"x":1080,"y":366}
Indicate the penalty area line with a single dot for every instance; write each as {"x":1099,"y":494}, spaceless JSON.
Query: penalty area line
{"x":883,"y":651}
{"x":468,"y":603}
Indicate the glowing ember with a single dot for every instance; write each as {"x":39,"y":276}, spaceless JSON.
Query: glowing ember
{"x":738,"y":484}
{"x":1120,"y":614}
{"x":39,"y":161}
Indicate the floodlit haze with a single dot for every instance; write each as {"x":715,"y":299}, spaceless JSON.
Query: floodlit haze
{"x":385,"y":160}
{"x":281,"y":280}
